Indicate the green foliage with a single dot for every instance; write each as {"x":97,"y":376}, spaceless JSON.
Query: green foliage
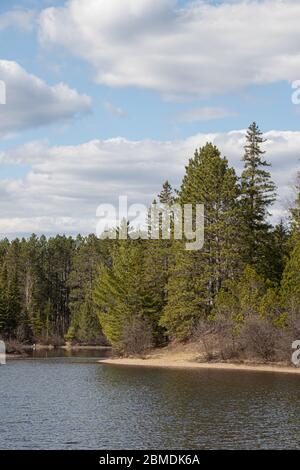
{"x":258,"y":193}
{"x":291,"y":281}
{"x":88,"y":254}
{"x":139,"y":292}
{"x":295,"y":211}
{"x":166,"y":196}
{"x":270,"y":307}
{"x":241,"y":299}
{"x":197,"y":277}
{"x":118,"y":291}
{"x":183,"y":305}
{"x":39,"y":293}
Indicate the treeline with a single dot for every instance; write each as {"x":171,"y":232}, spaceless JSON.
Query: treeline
{"x":139,"y":293}
{"x":46,"y":288}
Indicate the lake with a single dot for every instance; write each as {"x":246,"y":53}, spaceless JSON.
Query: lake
{"x":72,"y":402}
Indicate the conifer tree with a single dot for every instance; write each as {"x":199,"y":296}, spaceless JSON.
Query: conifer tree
{"x":241,"y":299}
{"x":3,"y":309}
{"x":118,"y":293}
{"x":258,"y":193}
{"x":276,"y":252}
{"x":166,"y":196}
{"x":295,"y":211}
{"x":88,"y":255}
{"x":198,"y":276}
{"x":291,"y":281}
{"x":13,"y":308}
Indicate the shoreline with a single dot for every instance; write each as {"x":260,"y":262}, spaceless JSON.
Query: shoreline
{"x":193,"y":365}
{"x":25,"y":351}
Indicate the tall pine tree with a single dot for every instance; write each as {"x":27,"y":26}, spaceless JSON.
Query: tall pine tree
{"x":258,"y":193}
{"x":197,"y":276}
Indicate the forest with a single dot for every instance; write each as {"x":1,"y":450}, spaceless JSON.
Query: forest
{"x":241,"y":291}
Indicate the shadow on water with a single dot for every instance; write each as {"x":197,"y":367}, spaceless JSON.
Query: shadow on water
{"x":97,"y":353}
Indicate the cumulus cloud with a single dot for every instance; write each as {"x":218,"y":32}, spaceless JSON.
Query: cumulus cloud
{"x":30,"y":102}
{"x":197,"y":49}
{"x":65,"y":185}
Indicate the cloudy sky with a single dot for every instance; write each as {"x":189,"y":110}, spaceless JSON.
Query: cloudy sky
{"x":111,"y":97}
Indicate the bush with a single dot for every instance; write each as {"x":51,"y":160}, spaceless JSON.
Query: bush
{"x":204,"y":333}
{"x":259,"y":339}
{"x":136,"y":339}
{"x":14,"y":347}
{"x":53,"y":340}
{"x":287,"y":336}
{"x":218,"y":338}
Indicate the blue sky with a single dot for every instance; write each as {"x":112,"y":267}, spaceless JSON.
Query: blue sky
{"x":154,"y":75}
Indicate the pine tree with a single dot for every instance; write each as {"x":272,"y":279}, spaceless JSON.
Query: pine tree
{"x":118,"y":292}
{"x":276,"y":252}
{"x":241,"y":299}
{"x":87,"y":257}
{"x":198,"y":276}
{"x":258,"y":193}
{"x":184,"y":302}
{"x":291,"y":281}
{"x":295,"y":211}
{"x":3,"y":309}
{"x":166,"y":196}
{"x":14,"y":308}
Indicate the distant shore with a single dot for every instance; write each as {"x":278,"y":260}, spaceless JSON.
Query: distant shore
{"x":22,"y":351}
{"x":185,"y":357}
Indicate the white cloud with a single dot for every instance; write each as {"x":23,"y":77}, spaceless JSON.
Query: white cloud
{"x":22,"y":19}
{"x":204,"y":114}
{"x":65,"y":184}
{"x":199,"y":49}
{"x":30,"y":102}
{"x":115,"y":111}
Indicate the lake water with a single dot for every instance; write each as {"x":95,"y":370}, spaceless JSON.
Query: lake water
{"x":75,"y":403}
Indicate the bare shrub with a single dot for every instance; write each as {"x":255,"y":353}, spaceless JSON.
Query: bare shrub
{"x":14,"y":347}
{"x":293,"y":325}
{"x":204,"y":333}
{"x":218,"y":338}
{"x":23,"y":334}
{"x":137,"y":338}
{"x":225,"y":331}
{"x":286,"y":337}
{"x":52,"y":340}
{"x":259,"y":339}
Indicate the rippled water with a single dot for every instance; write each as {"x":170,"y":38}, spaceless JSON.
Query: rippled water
{"x":76,"y":403}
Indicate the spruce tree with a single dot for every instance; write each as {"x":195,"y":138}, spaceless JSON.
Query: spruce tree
{"x":258,"y":193}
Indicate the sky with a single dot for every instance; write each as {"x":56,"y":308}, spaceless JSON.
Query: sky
{"x":111,"y":97}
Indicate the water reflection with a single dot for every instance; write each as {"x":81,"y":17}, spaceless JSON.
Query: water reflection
{"x":65,"y":405}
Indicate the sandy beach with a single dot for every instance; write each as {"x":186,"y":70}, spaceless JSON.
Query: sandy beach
{"x":185,"y":357}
